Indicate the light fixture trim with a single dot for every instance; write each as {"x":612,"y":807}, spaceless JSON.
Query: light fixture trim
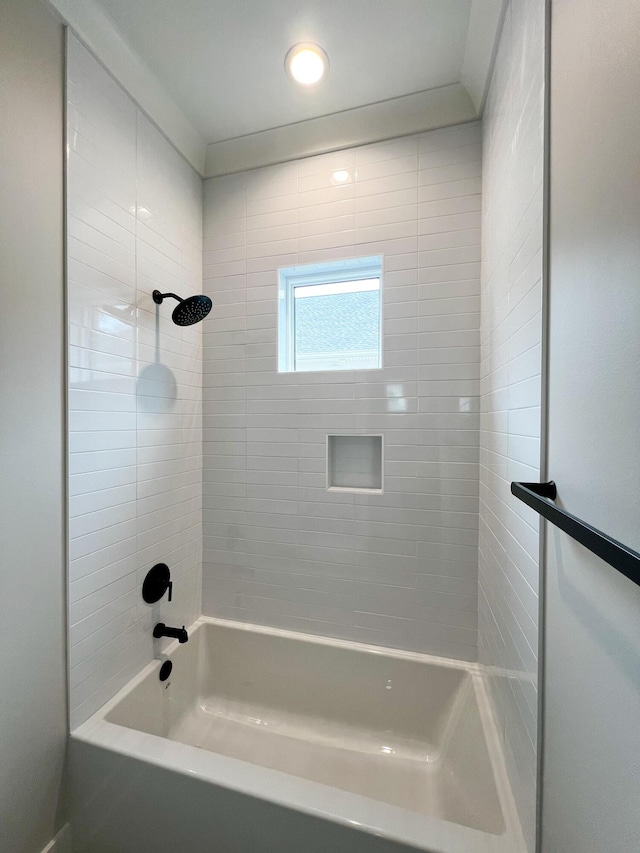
{"x":313,"y":71}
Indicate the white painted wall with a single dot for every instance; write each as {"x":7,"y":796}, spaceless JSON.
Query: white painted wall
{"x":33,"y":722}
{"x":592,"y":638}
{"x":511,"y":389}
{"x":135,"y":398}
{"x":397,"y":569}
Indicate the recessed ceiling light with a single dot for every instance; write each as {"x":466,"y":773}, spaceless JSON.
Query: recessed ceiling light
{"x":340,"y":177}
{"x":306,"y":63}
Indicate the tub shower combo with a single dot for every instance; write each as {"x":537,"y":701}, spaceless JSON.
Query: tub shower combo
{"x":268,"y":739}
{"x":219,"y":734}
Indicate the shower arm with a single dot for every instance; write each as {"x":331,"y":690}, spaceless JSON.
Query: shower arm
{"x":158,"y":297}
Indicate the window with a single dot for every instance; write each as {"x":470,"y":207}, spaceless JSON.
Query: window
{"x":329,"y":316}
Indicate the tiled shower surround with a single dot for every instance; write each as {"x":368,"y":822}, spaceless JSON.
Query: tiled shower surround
{"x":135,"y":408}
{"x":184,"y":437}
{"x":397,"y":569}
{"x":511,"y":390}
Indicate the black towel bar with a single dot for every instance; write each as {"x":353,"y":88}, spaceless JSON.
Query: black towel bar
{"x":540,"y":496}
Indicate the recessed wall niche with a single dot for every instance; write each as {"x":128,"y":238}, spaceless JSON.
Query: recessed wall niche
{"x":354,"y":463}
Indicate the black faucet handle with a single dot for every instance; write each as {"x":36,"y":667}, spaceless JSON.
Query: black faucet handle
{"x":156,"y":583}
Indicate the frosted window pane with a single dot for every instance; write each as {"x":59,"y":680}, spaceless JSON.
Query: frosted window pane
{"x":330,"y":315}
{"x":337,"y":326}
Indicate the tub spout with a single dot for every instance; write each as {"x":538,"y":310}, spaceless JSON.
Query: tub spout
{"x":162,"y":630}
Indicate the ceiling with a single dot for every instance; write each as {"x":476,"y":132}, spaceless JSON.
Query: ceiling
{"x":221,"y":62}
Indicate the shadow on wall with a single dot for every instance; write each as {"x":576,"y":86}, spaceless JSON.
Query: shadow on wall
{"x":156,"y":388}
{"x":619,"y":648}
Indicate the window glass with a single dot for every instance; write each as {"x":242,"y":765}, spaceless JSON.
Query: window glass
{"x":330,"y":316}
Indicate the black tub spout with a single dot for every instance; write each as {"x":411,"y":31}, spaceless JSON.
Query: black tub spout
{"x":179,"y":634}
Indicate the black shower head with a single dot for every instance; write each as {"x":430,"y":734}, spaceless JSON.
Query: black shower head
{"x":188,"y":311}
{"x":191,"y":310}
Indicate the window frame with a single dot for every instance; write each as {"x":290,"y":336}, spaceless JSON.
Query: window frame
{"x":323,"y":272}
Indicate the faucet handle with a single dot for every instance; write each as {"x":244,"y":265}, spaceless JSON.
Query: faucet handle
{"x":156,"y":583}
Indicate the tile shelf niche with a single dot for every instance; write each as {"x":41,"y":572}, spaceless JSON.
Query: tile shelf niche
{"x":355,"y":463}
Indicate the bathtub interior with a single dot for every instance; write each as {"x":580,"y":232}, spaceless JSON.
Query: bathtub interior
{"x":403,"y":730}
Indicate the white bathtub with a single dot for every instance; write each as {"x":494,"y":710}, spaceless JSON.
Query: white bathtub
{"x":265,"y":740}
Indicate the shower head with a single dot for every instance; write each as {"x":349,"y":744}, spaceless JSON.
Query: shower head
{"x":191,"y":310}
{"x":188,"y":311}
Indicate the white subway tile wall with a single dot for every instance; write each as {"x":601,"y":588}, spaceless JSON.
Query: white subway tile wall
{"x":135,"y":383}
{"x":397,"y":569}
{"x":511,"y":389}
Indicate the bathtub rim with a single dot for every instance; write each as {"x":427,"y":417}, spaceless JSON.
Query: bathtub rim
{"x":303,"y":795}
